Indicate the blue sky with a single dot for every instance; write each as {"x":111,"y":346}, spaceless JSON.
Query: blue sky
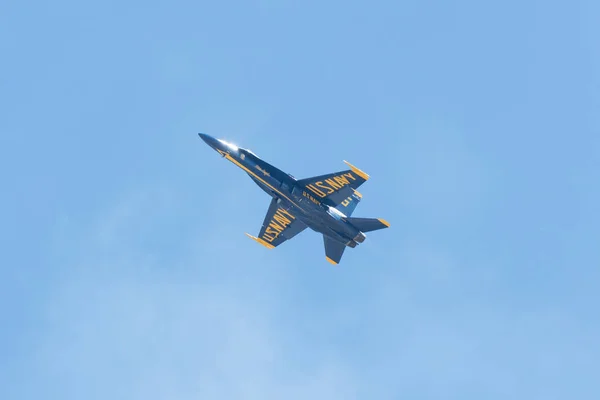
{"x":125,"y":270}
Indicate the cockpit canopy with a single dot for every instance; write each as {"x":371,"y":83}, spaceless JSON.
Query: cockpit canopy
{"x":230,"y":145}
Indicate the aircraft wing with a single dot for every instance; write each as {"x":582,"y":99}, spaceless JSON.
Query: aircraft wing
{"x":336,"y":186}
{"x":278,"y":226}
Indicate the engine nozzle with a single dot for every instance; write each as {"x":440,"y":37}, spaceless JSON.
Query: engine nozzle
{"x":360,"y":237}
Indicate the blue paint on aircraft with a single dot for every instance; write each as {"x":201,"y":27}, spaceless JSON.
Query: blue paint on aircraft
{"x":322,"y":203}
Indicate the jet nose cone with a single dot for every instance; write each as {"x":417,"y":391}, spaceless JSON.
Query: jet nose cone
{"x":205,"y":137}
{"x":211,"y":141}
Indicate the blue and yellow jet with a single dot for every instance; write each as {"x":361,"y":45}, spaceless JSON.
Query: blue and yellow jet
{"x":323,"y":203}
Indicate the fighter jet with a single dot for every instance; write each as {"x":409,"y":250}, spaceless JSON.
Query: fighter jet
{"x":322,"y":203}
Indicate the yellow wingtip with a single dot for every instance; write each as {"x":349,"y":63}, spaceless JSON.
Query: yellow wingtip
{"x":331,"y":261}
{"x":259,"y":240}
{"x":357,"y":171}
{"x":383,"y":221}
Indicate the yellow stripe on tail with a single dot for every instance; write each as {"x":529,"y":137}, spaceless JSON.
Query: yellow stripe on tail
{"x":383,"y":221}
{"x":331,"y":261}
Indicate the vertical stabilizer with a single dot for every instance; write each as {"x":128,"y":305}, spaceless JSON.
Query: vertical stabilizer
{"x":333,"y":250}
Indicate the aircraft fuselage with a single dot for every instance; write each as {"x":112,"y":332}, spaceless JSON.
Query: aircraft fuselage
{"x":305,"y":203}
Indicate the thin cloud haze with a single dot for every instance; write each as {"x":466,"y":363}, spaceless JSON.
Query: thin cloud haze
{"x":125,"y":270}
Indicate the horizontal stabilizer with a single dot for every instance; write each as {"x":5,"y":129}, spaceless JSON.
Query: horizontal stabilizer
{"x":368,"y":224}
